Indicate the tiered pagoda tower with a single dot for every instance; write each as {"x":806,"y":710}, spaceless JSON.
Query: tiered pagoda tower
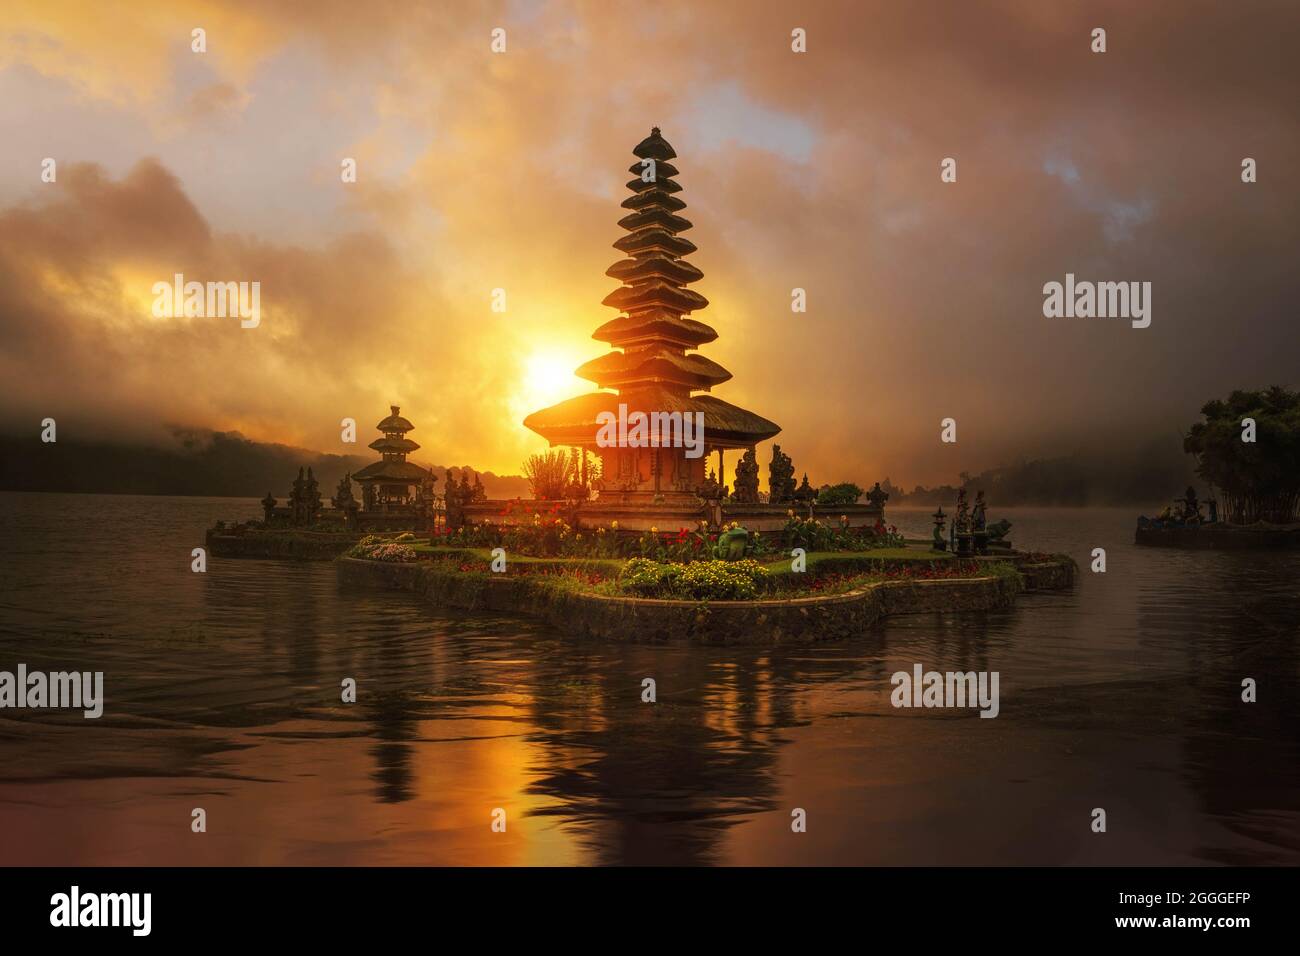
{"x":392,"y":481}
{"x":653,"y":367}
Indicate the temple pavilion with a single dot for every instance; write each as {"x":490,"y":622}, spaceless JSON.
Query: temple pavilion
{"x":652,"y":366}
{"x":393,"y":483}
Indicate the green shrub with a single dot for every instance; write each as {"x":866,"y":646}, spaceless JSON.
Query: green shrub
{"x":845,"y":493}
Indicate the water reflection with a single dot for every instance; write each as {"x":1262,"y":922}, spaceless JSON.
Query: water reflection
{"x":225,"y":688}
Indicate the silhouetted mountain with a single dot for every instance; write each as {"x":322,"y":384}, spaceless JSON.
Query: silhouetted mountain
{"x":1150,"y":475}
{"x":218,"y":464}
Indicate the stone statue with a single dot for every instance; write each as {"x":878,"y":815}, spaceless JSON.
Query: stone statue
{"x":313,"y":498}
{"x":298,"y":500}
{"x":877,"y":497}
{"x":731,"y":545}
{"x":805,"y":493}
{"x":780,"y":477}
{"x":998,"y":530}
{"x":747,"y":478}
{"x":343,"y":496}
{"x":710,"y":490}
{"x":457,"y":496}
{"x":940,"y":544}
{"x":962,"y":538}
{"x":978,"y":532}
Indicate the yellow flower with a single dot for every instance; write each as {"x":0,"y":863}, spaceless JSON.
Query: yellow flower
{"x":614,"y":525}
{"x":790,"y":513}
{"x":654,"y":530}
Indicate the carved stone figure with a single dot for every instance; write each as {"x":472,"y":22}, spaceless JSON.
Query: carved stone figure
{"x":343,"y":495}
{"x":998,"y":530}
{"x":312,"y":498}
{"x":877,"y":497}
{"x":731,"y":545}
{"x":747,"y":478}
{"x":780,"y":477}
{"x":940,"y":543}
{"x":710,"y":490}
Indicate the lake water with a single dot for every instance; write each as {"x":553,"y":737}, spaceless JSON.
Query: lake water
{"x":223,"y":692}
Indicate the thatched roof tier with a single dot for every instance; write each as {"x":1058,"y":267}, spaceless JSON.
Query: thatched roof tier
{"x":653,"y":364}
{"x":662,"y":170}
{"x":573,"y":422}
{"x":655,"y":293}
{"x":392,"y":471}
{"x":654,"y":147}
{"x":661,"y":182}
{"x":395,"y":422}
{"x":654,"y":240}
{"x":656,"y":325}
{"x":654,"y":266}
{"x":655,"y":216}
{"x":653,"y":198}
{"x":393,"y":445}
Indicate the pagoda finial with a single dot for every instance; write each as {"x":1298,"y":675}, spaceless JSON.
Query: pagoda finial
{"x":396,"y":409}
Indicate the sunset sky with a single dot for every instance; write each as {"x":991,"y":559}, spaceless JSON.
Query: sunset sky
{"x":817,"y":170}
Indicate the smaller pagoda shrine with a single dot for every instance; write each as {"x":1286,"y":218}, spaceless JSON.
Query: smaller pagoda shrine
{"x":393,"y":483}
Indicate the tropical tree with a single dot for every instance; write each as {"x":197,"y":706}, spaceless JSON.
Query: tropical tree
{"x":1259,"y":479}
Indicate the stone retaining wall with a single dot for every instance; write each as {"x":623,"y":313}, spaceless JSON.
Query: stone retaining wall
{"x":790,"y":621}
{"x":296,"y":545}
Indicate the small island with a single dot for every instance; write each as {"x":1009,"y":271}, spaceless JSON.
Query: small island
{"x":628,"y":540}
{"x":1247,"y":447}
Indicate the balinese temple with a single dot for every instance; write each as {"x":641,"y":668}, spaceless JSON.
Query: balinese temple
{"x":653,"y":365}
{"x":393,"y":483}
